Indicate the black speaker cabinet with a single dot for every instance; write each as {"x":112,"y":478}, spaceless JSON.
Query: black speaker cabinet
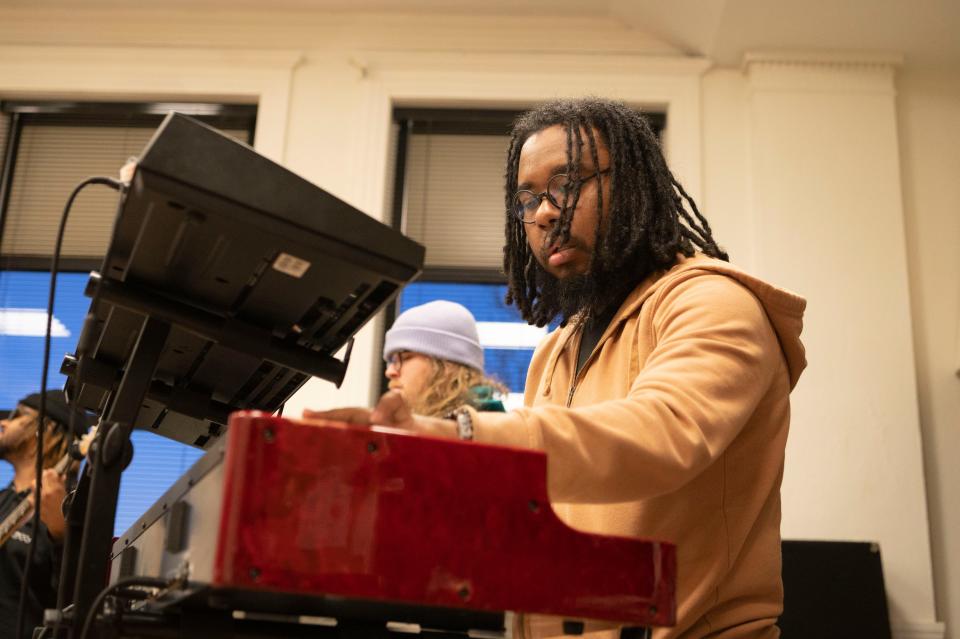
{"x":833,"y":589}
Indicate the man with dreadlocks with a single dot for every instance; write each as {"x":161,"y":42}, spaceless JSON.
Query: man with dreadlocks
{"x":662,"y":401}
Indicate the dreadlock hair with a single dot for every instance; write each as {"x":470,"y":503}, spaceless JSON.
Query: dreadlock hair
{"x":56,"y":442}
{"x":647,"y":225}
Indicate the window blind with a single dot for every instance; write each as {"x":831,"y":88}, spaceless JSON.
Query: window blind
{"x":51,"y":161}
{"x":454,"y":198}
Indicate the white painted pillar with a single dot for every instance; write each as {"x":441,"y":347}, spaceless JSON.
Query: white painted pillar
{"x":827,"y":211}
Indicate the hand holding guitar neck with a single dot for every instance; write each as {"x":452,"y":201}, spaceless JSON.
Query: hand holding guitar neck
{"x":53,"y":492}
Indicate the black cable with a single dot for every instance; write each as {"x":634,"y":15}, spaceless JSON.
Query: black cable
{"x":153,"y":582}
{"x":54,"y":268}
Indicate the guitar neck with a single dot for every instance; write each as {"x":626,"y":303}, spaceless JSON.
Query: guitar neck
{"x":12,"y":521}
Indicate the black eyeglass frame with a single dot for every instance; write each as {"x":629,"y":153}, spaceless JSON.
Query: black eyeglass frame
{"x":18,"y":412}
{"x":519,"y":208}
{"x":396,"y":360}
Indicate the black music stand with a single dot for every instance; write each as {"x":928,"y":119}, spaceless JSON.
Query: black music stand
{"x":228,"y":282}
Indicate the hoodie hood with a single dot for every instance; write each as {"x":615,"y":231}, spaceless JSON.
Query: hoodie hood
{"x":784,"y":308}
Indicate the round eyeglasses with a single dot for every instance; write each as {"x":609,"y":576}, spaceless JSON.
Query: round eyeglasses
{"x":397,"y":359}
{"x":559,"y":189}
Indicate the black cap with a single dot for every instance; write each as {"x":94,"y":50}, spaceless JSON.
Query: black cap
{"x":58,"y":410}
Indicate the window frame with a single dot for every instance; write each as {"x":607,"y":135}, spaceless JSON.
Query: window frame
{"x":60,"y":113}
{"x":78,"y":113}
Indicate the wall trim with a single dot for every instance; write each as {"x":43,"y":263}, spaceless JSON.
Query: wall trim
{"x":823,"y":58}
{"x":168,"y":74}
{"x":919,"y":630}
{"x":821,"y":73}
{"x":506,"y":80}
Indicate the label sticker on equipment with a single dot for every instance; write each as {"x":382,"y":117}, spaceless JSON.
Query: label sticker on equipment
{"x":292,"y":266}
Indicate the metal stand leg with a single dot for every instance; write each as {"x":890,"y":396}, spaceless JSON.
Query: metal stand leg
{"x":110,"y":455}
{"x":71,"y":543}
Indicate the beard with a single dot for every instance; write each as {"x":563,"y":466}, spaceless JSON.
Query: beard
{"x":11,"y":447}
{"x":579,"y":297}
{"x":570,"y":297}
{"x":566,"y":297}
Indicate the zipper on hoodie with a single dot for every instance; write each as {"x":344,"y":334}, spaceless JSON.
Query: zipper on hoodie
{"x":583,"y":369}
{"x":578,"y":376}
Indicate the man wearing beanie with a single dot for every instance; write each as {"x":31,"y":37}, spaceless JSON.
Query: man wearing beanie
{"x":434,"y":359}
{"x":18,"y":446}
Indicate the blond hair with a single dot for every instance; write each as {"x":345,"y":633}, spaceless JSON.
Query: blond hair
{"x":449,"y":388}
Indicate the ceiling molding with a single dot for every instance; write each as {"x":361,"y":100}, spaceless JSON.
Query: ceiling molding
{"x":372,"y":62}
{"x":885,"y":60}
{"x":818,"y":72}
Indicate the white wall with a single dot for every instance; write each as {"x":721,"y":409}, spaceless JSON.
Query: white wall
{"x":929,"y":121}
{"x":802,"y":183}
{"x":726,"y":175}
{"x":828,"y":213}
{"x":798,"y":168}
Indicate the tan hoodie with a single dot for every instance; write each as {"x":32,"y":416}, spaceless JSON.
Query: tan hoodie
{"x":675,"y":430}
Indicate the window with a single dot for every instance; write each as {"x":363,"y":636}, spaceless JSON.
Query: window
{"x":50,"y":148}
{"x":507,"y":341}
{"x":447,"y":193}
{"x":53,"y":146}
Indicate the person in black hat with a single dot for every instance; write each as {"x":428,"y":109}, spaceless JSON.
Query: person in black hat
{"x":18,"y":446}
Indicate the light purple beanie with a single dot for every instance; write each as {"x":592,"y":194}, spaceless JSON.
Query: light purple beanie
{"x":442,"y":329}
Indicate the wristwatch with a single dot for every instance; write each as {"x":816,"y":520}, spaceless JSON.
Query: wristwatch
{"x":464,"y":423}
